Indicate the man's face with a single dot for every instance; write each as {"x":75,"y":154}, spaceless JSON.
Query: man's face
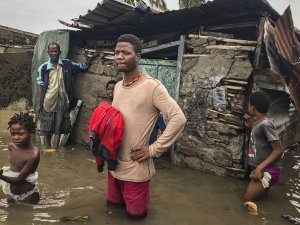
{"x":126,"y":58}
{"x":110,"y":91}
{"x":53,"y":52}
{"x":20,"y":135}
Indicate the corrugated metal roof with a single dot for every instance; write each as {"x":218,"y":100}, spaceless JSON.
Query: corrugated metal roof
{"x":112,"y":18}
{"x":289,"y":48}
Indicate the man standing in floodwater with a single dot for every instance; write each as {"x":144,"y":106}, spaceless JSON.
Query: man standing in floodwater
{"x":56,"y":96}
{"x":140,"y":98}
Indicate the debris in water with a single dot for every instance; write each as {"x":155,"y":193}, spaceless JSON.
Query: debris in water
{"x":50,"y":150}
{"x":82,"y":218}
{"x":252,"y":207}
{"x":290,"y":218}
{"x":109,"y":212}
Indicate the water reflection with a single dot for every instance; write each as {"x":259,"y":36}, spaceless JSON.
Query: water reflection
{"x":293,"y":178}
{"x":70,"y":186}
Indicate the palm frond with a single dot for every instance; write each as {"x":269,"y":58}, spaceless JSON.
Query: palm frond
{"x":190,"y":3}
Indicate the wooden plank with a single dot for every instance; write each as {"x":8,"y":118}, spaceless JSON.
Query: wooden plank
{"x":259,"y":43}
{"x":225,"y":124}
{"x":231,"y":95}
{"x":177,"y":81}
{"x":179,"y":65}
{"x":160,"y":47}
{"x":234,"y":87}
{"x":231,"y":26}
{"x":224,"y":114}
{"x":241,"y":82}
{"x":230,"y":47}
{"x":229,"y":40}
{"x":237,"y":123}
{"x":189,"y":56}
{"x":226,"y":121}
{"x":105,"y":52}
{"x":109,"y":57}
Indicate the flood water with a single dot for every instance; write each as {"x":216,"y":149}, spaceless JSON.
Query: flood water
{"x":70,"y":186}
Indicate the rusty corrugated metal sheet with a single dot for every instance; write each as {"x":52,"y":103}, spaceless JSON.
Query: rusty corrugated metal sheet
{"x":113,"y":17}
{"x":289,"y":48}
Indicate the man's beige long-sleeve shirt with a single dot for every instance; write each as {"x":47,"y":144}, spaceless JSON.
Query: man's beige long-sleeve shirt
{"x":140,"y":105}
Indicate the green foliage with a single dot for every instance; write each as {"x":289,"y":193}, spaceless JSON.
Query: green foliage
{"x":82,"y":218}
{"x":135,"y":2}
{"x":190,"y":3}
{"x":160,"y":4}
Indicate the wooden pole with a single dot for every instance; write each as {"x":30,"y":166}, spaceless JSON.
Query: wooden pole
{"x":229,"y":40}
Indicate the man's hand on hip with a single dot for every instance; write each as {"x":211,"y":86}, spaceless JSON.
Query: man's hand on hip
{"x":140,"y":154}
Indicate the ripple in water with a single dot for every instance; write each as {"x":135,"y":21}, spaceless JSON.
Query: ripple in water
{"x":293,"y":193}
{"x":44,"y":217}
{"x":52,"y":199}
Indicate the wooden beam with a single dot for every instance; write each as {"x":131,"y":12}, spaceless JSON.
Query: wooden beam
{"x":229,"y":47}
{"x":241,"y":82}
{"x":229,"y":40}
{"x":160,"y":47}
{"x":260,"y":39}
{"x":224,"y":114}
{"x":232,"y":122}
{"x":231,"y":95}
{"x":189,"y":56}
{"x":225,"y":124}
{"x":234,"y":87}
{"x":231,"y":26}
{"x":105,"y":52}
{"x":109,"y":57}
{"x":179,"y":65}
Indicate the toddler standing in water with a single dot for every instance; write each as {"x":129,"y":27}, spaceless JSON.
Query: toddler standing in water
{"x":265,"y":150}
{"x":18,"y":180}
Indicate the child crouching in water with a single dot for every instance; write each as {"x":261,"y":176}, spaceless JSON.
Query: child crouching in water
{"x":19,"y":179}
{"x":265,"y":150}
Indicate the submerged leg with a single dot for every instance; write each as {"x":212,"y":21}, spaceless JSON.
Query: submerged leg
{"x":56,"y":141}
{"x":47,"y":140}
{"x":254,"y":190}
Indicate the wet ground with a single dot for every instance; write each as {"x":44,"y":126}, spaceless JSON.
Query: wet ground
{"x":70,"y":185}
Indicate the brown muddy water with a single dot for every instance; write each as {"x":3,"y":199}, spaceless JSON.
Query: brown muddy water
{"x":70,"y":185}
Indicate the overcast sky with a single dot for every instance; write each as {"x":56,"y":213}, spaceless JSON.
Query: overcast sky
{"x":37,"y":15}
